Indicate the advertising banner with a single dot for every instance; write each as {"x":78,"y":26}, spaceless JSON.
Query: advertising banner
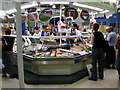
{"x":45,"y":15}
{"x":71,"y":12}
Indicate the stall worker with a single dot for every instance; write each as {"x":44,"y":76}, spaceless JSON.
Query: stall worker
{"x":75,"y":31}
{"x":36,"y":32}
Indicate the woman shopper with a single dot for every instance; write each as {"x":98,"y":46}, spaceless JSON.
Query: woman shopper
{"x":97,"y":40}
{"x":7,"y":55}
{"x":117,"y":49}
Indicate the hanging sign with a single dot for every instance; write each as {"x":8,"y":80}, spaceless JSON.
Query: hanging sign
{"x":11,"y":19}
{"x":5,"y":20}
{"x":23,"y":18}
{"x":84,"y":15}
{"x":32,"y":16}
{"x":71,"y":12}
{"x":45,"y":15}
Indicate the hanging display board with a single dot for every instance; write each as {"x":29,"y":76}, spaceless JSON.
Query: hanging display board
{"x":32,"y":16}
{"x":23,"y":18}
{"x":71,"y":12}
{"x":45,"y":15}
{"x":84,"y":15}
{"x":11,"y":19}
{"x":5,"y":20}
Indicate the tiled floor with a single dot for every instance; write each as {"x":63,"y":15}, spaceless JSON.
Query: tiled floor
{"x":110,"y":81}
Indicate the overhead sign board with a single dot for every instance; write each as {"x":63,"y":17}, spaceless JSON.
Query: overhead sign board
{"x":45,"y":15}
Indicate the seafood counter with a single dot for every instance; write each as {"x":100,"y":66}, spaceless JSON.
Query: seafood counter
{"x":50,"y":58}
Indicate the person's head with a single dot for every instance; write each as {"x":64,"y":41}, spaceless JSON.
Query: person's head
{"x":110,"y":29}
{"x":75,"y":26}
{"x":7,"y":31}
{"x":95,"y":26}
{"x":79,"y":28}
{"x":36,"y":30}
{"x":84,"y":30}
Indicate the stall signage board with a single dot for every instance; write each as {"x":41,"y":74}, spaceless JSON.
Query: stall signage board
{"x":84,"y":15}
{"x":71,"y":12}
{"x":45,"y":15}
{"x":11,"y":19}
{"x":32,"y":16}
{"x":5,"y":20}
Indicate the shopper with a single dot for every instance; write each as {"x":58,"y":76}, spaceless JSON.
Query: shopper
{"x":37,"y":32}
{"x":7,"y":54}
{"x":117,"y":49}
{"x":110,"y":56}
{"x":97,"y":39}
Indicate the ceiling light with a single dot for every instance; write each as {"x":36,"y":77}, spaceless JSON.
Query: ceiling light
{"x":53,"y":6}
{"x":87,"y":6}
{"x":2,"y":14}
{"x":11,"y":11}
{"x":54,"y":2}
{"x":105,"y":11}
{"x":63,"y":7}
{"x":29,"y":5}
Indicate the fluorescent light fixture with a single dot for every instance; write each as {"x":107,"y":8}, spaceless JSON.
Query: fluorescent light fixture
{"x":11,"y":11}
{"x":2,"y":14}
{"x":87,"y":6}
{"x":112,"y":0}
{"x":105,"y":11}
{"x":29,"y":5}
{"x":57,"y":2}
{"x":93,"y":13}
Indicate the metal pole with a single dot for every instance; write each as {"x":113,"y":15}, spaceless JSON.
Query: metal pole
{"x":60,"y":24}
{"x":19,"y":45}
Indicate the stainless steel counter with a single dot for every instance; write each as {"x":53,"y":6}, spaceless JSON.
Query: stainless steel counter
{"x":55,"y":65}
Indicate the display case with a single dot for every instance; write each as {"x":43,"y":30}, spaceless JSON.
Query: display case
{"x":47,"y":56}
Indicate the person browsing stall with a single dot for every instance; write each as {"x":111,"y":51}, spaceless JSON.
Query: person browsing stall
{"x":7,"y":54}
{"x":97,"y":39}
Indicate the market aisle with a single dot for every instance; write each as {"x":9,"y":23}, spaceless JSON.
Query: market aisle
{"x":110,"y":81}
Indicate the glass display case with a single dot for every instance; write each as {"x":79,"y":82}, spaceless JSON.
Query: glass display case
{"x":47,"y":56}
